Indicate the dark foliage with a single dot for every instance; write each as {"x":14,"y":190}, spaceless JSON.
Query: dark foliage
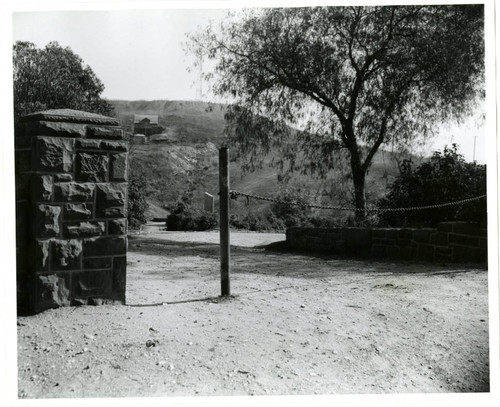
{"x":184,"y":217}
{"x":446,"y":177}
{"x":54,"y":78}
{"x":354,"y":79}
{"x":137,"y":204}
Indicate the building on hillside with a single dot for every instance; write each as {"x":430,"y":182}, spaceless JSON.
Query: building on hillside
{"x":139,"y":139}
{"x":147,"y":124}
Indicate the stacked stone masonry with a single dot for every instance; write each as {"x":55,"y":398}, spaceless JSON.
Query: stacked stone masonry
{"x":71,"y":203}
{"x":449,"y":242}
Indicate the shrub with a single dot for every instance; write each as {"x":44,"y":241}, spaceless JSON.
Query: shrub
{"x":184,"y":217}
{"x":137,"y":204}
{"x":446,"y":177}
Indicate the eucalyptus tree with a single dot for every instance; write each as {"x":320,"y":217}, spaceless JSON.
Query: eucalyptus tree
{"x":350,"y":79}
{"x":54,"y":77}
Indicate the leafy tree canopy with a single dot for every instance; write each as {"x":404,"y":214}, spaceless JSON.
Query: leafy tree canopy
{"x":350,"y":78}
{"x":446,"y":177}
{"x":54,"y":78}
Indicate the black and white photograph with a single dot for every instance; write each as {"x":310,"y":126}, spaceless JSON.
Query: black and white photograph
{"x":215,"y":202}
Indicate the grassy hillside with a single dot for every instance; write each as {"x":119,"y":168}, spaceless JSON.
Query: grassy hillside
{"x":191,"y":163}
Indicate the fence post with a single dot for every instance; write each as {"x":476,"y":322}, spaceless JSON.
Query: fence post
{"x":224,"y":220}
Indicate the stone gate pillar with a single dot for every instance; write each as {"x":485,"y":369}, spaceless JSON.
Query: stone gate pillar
{"x":71,"y":202}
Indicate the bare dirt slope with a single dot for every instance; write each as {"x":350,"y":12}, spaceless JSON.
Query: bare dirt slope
{"x":296,"y":325}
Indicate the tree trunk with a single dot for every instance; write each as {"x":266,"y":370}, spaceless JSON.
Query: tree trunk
{"x":358,"y":178}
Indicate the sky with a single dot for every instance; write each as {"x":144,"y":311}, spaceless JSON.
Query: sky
{"x":138,"y":55}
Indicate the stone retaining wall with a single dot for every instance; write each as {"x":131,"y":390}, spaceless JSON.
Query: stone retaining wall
{"x":449,"y":242}
{"x":71,"y":200}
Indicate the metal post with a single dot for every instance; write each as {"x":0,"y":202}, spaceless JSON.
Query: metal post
{"x":224,"y":220}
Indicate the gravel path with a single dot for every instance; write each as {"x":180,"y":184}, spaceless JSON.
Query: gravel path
{"x":295,"y":325}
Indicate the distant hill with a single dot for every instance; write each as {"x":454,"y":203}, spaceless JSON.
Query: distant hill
{"x":190,"y":161}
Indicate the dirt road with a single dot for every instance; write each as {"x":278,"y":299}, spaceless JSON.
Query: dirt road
{"x":296,"y":325}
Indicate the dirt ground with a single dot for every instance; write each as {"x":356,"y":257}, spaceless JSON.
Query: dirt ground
{"x":296,"y":325}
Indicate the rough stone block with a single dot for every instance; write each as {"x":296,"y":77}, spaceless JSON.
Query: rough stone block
{"x":392,"y":234}
{"x":96,"y":263}
{"x":425,"y":252}
{"x":41,"y":255}
{"x":55,"y":129}
{"x":52,"y":291}
{"x":404,"y":242}
{"x":84,"y":229}
{"x":445,"y":227}
{"x":105,"y":246}
{"x":22,"y":216}
{"x":91,"y":167}
{"x":23,"y":182}
{"x":467,"y":228}
{"x":119,"y":277}
{"x":439,"y":238}
{"x":358,"y":239}
{"x":408,"y":253}
{"x":379,"y":233}
{"x":110,"y":200}
{"x":463,"y":240}
{"x":117,"y":227}
{"x":378,"y":250}
{"x":422,"y":235}
{"x":53,"y":154}
{"x":73,"y":211}
{"x":443,"y":253}
{"x":88,"y":144}
{"x":74,"y":192}
{"x":63,"y":177}
{"x":393,"y":252}
{"x":114,"y":145}
{"x":92,"y":283}
{"x":42,"y":188}
{"x":22,"y":142}
{"x":108,"y":133}
{"x":483,"y":242}
{"x":118,"y":167}
{"x":22,"y":161}
{"x":47,"y":220}
{"x":66,"y":254}
{"x":469,"y":254}
{"x":405,"y":233}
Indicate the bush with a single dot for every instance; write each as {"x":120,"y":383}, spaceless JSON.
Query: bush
{"x":292,"y":208}
{"x":261,"y":222}
{"x":446,"y":177}
{"x":184,"y":217}
{"x":137,"y":204}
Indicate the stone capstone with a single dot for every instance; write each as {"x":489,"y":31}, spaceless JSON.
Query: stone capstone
{"x":74,"y":192}
{"x":76,"y":211}
{"x":52,"y":291}
{"x":118,"y":168}
{"x":54,"y":154}
{"x":91,"y":167}
{"x":66,"y":254}
{"x":110,"y":200}
{"x":83,"y":229}
{"x":58,"y":129}
{"x":109,"y":133}
{"x":47,"y":224}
